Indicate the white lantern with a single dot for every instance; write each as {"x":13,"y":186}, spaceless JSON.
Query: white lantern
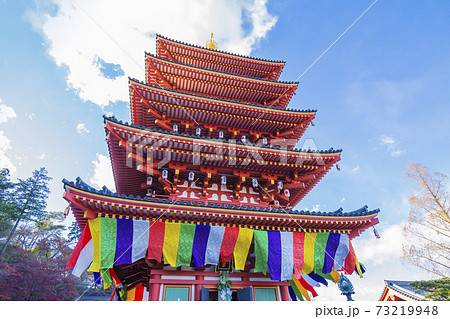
{"x":149,"y":192}
{"x":287,"y":193}
{"x":191,"y":176}
{"x":221,"y":134}
{"x":175,"y":128}
{"x":276,"y":203}
{"x":149,"y":180}
{"x":198,"y":131}
{"x":280,"y":185}
{"x":223,"y":180}
{"x":254,"y":182}
{"x":243,"y":139}
{"x":165,"y":174}
{"x":264,"y":140}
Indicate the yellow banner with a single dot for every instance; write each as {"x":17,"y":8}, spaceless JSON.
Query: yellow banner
{"x":308,"y":261}
{"x":170,"y":247}
{"x":94,"y":226}
{"x":242,"y":247}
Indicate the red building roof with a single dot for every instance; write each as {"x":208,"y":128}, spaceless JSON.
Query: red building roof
{"x":135,"y":152}
{"x":179,"y":76}
{"x":149,"y":104}
{"x":218,"y":60}
{"x":87,"y":203}
{"x":396,"y":290}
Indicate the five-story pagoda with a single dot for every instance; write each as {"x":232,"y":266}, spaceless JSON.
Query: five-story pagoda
{"x":206,"y":180}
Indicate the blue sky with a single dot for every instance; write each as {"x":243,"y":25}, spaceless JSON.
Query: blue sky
{"x":381,"y":92}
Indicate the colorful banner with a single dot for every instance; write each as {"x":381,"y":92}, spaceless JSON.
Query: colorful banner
{"x":303,"y":287}
{"x":287,"y":255}
{"x":170,"y":248}
{"x":341,"y":252}
{"x":184,"y":255}
{"x":242,"y":247}
{"x":108,"y":239}
{"x":261,"y":250}
{"x":332,"y":245}
{"x":228,"y":243}
{"x":299,"y":245}
{"x":304,"y":257}
{"x":308,"y":253}
{"x":82,"y":255}
{"x":214,"y":244}
{"x":124,"y":241}
{"x":138,"y":293}
{"x":140,"y":239}
{"x":156,"y":240}
{"x":199,"y":246}
{"x":319,"y":251}
{"x":94,"y":226}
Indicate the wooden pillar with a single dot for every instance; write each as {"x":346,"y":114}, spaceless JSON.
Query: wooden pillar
{"x":154,"y":289}
{"x":285,"y":293}
{"x":198,"y":288}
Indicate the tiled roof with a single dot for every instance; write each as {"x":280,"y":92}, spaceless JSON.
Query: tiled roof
{"x":219,"y":51}
{"x":221,"y":99}
{"x":404,"y":288}
{"x":81,"y":185}
{"x":151,"y":130}
{"x":224,"y":73}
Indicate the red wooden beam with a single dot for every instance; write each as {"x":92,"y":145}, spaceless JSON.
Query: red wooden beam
{"x":274,"y":101}
{"x":167,"y":51}
{"x":274,"y":72}
{"x":159,"y":74}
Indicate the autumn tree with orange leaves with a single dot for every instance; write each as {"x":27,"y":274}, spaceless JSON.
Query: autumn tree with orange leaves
{"x":428,"y":228}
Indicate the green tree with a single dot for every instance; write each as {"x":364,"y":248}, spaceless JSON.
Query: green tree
{"x":438,"y":290}
{"x":74,"y":233}
{"x":29,"y":201}
{"x":5,"y":203}
{"x":6,"y":206}
{"x":44,"y":237}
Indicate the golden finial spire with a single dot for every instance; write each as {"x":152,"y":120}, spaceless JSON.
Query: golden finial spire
{"x":211,"y":44}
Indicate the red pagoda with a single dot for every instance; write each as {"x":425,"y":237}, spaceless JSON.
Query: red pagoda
{"x":207,"y":177}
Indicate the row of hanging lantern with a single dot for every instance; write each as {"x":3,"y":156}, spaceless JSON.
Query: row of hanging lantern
{"x":198,"y":132}
{"x":223,"y":181}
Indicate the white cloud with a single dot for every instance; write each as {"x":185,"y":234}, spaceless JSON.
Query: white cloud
{"x":41,"y":156}
{"x":397,"y":153}
{"x":387,"y":140}
{"x":6,"y":112}
{"x":5,"y":145}
{"x":81,"y":129}
{"x":387,"y":247}
{"x":103,"y":175}
{"x":392,"y":146}
{"x":84,"y":36}
{"x":356,"y":169}
{"x":315,"y":208}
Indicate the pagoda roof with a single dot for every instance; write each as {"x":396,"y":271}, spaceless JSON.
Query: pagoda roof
{"x":218,"y":60}
{"x":87,"y":203}
{"x":124,"y":140}
{"x":189,"y":78}
{"x":148,"y":103}
{"x":400,"y":290}
{"x":149,"y":130}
